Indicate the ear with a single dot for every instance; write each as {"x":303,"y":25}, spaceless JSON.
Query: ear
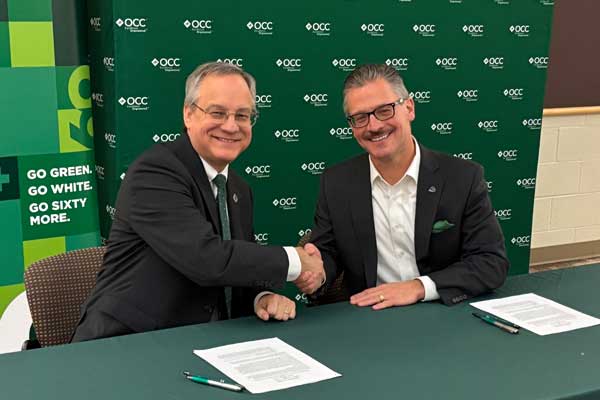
{"x":410,"y":107}
{"x":187,"y":115}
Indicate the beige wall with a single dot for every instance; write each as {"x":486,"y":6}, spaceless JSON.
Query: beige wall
{"x":567,"y":194}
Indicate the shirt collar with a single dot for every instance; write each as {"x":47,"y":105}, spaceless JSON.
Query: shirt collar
{"x":412,"y":171}
{"x":211,"y":173}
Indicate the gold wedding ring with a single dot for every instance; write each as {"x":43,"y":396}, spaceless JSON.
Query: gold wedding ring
{"x":381,"y":298}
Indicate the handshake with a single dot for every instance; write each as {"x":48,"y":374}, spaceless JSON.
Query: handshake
{"x":312,"y":276}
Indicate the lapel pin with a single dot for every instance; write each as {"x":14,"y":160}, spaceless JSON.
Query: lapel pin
{"x":235,"y":198}
{"x":432,"y":189}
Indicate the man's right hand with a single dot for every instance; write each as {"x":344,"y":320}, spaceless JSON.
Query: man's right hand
{"x":313,"y":273}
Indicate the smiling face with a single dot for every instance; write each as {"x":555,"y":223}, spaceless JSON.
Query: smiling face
{"x":219,"y":143}
{"x":388,"y":141}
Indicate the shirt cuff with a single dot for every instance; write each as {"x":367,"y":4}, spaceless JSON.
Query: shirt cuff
{"x":430,"y":288}
{"x":259,"y":296}
{"x":295,"y":267}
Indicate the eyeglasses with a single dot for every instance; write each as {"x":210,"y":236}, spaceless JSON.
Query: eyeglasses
{"x":382,"y":113}
{"x":241,"y":118}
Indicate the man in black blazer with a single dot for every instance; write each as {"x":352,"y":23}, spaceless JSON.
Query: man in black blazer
{"x":403,"y":222}
{"x":182,"y":233}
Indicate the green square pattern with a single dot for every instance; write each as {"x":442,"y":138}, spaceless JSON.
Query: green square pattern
{"x":3,"y":11}
{"x":9,"y":178}
{"x":31,"y":44}
{"x":8,"y":294}
{"x":4,"y":45}
{"x":35,"y":250}
{"x":30,"y":10}
{"x":11,"y":267}
{"x":29,"y":117}
{"x":85,"y":240}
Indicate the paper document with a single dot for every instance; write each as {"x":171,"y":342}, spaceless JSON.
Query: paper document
{"x":537,"y":314}
{"x":265,"y":365}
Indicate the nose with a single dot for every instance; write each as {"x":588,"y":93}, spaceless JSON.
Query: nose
{"x":229,"y":125}
{"x":374,"y":124}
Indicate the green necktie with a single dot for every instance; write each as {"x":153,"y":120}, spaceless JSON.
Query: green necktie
{"x":220,"y":181}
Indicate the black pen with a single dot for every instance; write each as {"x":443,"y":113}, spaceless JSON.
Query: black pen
{"x":492,"y":321}
{"x":210,"y":382}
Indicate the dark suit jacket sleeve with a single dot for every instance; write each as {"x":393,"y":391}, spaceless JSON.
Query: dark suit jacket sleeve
{"x":483,"y":265}
{"x":323,"y":235}
{"x":165,"y":214}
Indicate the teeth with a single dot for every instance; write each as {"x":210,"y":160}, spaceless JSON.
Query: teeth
{"x":379,"y":138}
{"x":226,"y":140}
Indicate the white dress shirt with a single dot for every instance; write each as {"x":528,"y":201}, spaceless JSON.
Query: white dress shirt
{"x":394,"y":210}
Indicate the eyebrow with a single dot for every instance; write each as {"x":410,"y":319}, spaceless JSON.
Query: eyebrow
{"x":372,"y":109}
{"x":220,"y":107}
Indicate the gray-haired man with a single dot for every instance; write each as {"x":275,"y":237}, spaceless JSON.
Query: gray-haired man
{"x":182,"y":233}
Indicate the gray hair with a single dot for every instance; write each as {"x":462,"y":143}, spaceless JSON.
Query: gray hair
{"x":192,"y":83}
{"x":371,"y":72}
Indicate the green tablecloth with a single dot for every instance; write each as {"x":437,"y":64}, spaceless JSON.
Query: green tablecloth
{"x":426,"y":351}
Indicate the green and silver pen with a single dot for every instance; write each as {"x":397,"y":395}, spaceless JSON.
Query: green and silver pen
{"x":220,"y":384}
{"x":492,"y":321}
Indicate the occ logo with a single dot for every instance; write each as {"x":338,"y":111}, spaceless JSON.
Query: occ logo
{"x":514,"y":94}
{"x":526,"y":183}
{"x":508,"y":155}
{"x":303,"y":232}
{"x":424,"y":29}
{"x":344,"y":64}
{"x":289,"y":64}
{"x":447,"y":62}
{"x":521,"y":241}
{"x":262,"y":238}
{"x":137,"y":25}
{"x":261,"y":27}
{"x":539,"y":62}
{"x":96,"y":23}
{"x":259,"y":171}
{"x":111,"y":211}
{"x":199,"y":26}
{"x":473,"y":30}
{"x":532,"y":123}
{"x":140,"y":103}
{"x":263,"y":100}
{"x":109,"y":63}
{"x":490,"y":185}
{"x":468,"y":94}
{"x":443,"y":128}
{"x":313,"y":168}
{"x":99,"y":171}
{"x":285,"y":203}
{"x":464,"y":156}
{"x":111,"y":140}
{"x":234,"y":61}
{"x":316,"y":99}
{"x":520,"y":30}
{"x":494,"y":62}
{"x":167,"y":64}
{"x":421,"y":97}
{"x":341,"y":133}
{"x":399,"y":64}
{"x":373,"y":29}
{"x":488,"y":126}
{"x":165,"y":137}
{"x":319,"y":28}
{"x":503,"y":215}
{"x":98,"y":99}
{"x":288,"y":135}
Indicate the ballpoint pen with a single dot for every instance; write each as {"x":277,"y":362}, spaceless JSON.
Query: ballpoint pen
{"x":492,"y":321}
{"x":210,"y":382}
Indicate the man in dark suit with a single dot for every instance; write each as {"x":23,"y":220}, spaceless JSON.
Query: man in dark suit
{"x":403,"y":222}
{"x":182,"y":233}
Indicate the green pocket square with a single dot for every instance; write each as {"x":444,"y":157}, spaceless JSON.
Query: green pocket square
{"x":441,"y":226}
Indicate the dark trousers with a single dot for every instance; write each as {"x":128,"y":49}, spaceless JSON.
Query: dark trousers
{"x":97,"y":325}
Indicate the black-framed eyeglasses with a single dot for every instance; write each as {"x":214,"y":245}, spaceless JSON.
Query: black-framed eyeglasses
{"x":241,"y":118}
{"x":382,"y":113}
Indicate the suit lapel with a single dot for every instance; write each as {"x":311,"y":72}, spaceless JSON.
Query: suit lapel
{"x":429,"y":190}
{"x":362,"y":218}
{"x":191,"y":160}
{"x":234,"y":200}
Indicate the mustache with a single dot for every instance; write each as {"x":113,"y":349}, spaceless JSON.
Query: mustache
{"x":377,"y":133}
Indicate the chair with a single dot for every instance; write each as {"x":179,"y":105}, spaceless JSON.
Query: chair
{"x":56,"y":287}
{"x":335,"y":292}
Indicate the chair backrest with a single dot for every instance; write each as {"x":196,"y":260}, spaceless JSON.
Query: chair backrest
{"x":56,"y":287}
{"x":335,"y":292}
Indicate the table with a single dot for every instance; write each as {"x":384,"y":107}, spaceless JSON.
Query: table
{"x":425,"y":351}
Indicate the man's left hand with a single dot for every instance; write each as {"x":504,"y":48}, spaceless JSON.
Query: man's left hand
{"x":390,"y":294}
{"x":276,"y":307}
